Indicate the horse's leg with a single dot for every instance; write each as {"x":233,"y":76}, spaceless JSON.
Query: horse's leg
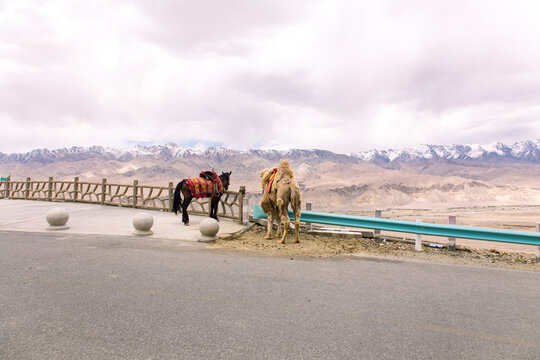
{"x":213,"y":207}
{"x":216,"y":207}
{"x":185,"y":204}
{"x":177,"y":199}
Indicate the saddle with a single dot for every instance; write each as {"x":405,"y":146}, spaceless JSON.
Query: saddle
{"x":207,"y":184}
{"x":209,"y":175}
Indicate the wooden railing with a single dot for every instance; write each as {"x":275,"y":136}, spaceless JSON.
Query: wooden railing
{"x":132,"y":195}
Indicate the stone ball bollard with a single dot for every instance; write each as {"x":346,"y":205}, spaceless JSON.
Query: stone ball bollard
{"x":57,"y":219}
{"x":142,"y":223}
{"x":209,"y":228}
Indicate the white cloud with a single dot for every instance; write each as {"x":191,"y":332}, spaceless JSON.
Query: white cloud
{"x":344,"y":76}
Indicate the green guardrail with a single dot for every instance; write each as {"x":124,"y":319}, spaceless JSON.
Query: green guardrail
{"x":455,"y":231}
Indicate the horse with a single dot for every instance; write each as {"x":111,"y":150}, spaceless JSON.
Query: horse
{"x":184,"y":188}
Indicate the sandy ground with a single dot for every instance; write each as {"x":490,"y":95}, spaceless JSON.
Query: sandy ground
{"x":393,"y":245}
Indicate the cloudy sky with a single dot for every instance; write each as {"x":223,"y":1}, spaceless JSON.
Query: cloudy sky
{"x":339,"y":75}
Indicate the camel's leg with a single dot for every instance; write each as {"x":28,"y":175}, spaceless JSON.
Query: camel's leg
{"x":278,"y":220}
{"x":270,"y":225}
{"x":282,"y":207}
{"x":297,"y":225}
{"x":286,"y":223}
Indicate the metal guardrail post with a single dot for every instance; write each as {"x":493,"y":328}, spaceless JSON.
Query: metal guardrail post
{"x":418,"y":241}
{"x":377,"y":232}
{"x":309,"y":226}
{"x":537,"y":247}
{"x":451,"y":240}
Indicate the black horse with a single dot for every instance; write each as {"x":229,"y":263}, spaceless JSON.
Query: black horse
{"x":183,"y":188}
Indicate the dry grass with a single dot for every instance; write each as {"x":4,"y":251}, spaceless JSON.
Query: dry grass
{"x":336,"y":246}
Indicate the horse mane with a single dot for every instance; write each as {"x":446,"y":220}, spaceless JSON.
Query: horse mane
{"x":225,"y":176}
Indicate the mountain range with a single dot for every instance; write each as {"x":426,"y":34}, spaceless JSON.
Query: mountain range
{"x":528,"y":150}
{"x":423,"y":176}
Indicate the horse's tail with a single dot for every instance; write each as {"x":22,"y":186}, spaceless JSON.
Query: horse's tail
{"x":177,"y":199}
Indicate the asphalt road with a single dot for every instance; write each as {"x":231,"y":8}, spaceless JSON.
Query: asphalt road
{"x":91,"y":297}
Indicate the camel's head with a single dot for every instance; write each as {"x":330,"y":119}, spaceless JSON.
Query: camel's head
{"x":265,"y":175}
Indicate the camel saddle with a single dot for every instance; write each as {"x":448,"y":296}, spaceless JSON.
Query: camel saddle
{"x":271,"y":185}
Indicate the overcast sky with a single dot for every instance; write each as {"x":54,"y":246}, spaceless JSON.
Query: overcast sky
{"x":340,"y":75}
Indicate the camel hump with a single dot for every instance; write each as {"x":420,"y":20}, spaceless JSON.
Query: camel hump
{"x":284,"y":168}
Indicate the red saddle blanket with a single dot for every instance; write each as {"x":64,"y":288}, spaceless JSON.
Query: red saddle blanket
{"x":200,"y":187}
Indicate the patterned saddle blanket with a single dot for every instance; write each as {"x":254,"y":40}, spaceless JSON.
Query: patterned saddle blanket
{"x":271,"y":185}
{"x":201,"y":187}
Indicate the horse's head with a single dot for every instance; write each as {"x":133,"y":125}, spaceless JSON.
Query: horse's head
{"x":225,"y":179}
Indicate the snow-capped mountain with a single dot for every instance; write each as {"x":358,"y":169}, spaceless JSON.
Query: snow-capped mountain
{"x":528,"y":150}
{"x":157,"y":152}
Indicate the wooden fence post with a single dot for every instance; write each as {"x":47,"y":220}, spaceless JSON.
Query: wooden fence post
{"x":49,"y":193}
{"x":451,"y":240}
{"x":27,"y":192}
{"x":135,"y":183}
{"x":75,"y":189}
{"x":171,"y":194}
{"x":103,"y":189}
{"x":8,"y":188}
{"x":241,"y":204}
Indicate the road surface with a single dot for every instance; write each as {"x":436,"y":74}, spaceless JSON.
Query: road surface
{"x":77,"y":296}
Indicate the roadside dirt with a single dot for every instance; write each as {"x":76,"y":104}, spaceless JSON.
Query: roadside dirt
{"x":338,"y":246}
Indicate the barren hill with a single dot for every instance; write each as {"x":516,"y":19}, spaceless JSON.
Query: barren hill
{"x":430,"y":176}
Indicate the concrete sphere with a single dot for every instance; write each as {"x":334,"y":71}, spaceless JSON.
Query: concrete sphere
{"x":142,"y":223}
{"x":57,"y":218}
{"x":209,"y":228}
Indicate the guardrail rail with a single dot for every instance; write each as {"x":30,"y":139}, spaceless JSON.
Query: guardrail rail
{"x":420,"y":228}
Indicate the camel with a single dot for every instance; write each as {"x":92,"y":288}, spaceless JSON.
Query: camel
{"x":269,"y":200}
{"x":287,"y":192}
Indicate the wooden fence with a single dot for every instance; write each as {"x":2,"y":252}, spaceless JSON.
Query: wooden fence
{"x":104,"y":193}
